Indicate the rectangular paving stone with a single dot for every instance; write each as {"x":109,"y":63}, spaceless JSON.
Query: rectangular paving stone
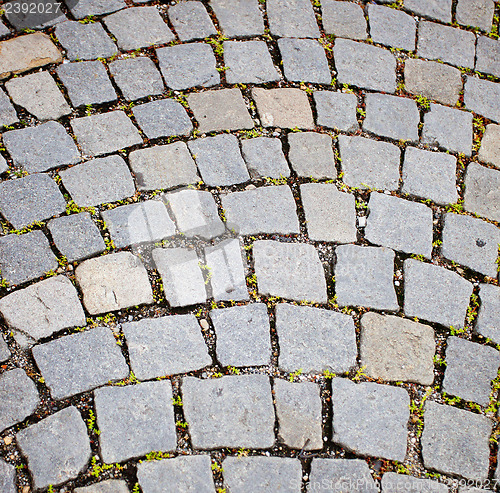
{"x":368,"y":163}
{"x":450,"y":128}
{"x":188,"y":65}
{"x":488,"y":55}
{"x":392,"y":27}
{"x":249,"y":62}
{"x":292,"y":19}
{"x":43,"y":308}
{"x":289,"y":270}
{"x":195,"y":213}
{"x":311,"y":155}
{"x":7,"y":477}
{"x":134,"y":224}
{"x":87,"y":83}
{"x":433,"y":80}
{"x":431,"y":175}
{"x":435,"y":294}
{"x":128,"y":27}
{"x":191,"y":21}
{"x":262,"y":210}
{"x":85,"y":41}
{"x":163,"y":167}
{"x":391,"y":116}
{"x":99,"y":180}
{"x":343,"y":19}
{"x":175,"y":474}
{"x":482,"y":194}
{"x":455,"y":441}
{"x":341,"y":473}
{"x":330,"y":214}
{"x":39,"y":95}
{"x":483,"y":97}
{"x":57,"y":448}
{"x":41,"y":148}
{"x":232,"y":411}
{"x":476,"y":13}
{"x":396,"y":349}
{"x":489,"y":151}
{"x":137,"y":77}
{"x":224,"y":109}
{"x":27,"y":52}
{"x":364,"y":277}
{"x":315,"y":340}
{"x":336,"y":110}
{"x":108,"y":486}
{"x":225,"y":264}
{"x":439,"y":10}
{"x":489,"y":312}
{"x":25,"y":257}
{"x":370,"y":419}
{"x":238,"y":18}
{"x":287,"y":107}
{"x":135,"y":420}
{"x":298,"y":408}
{"x":8,"y":114}
{"x":304,"y":60}
{"x":451,"y":45}
{"x":219,"y":160}
{"x":113,"y":282}
{"x":165,"y":346}
{"x":470,"y":368}
{"x":183,"y":282}
{"x":392,"y":483}
{"x":365,"y":66}
{"x":84,"y":8}
{"x":243,"y":335}
{"x":399,"y":224}
{"x":264,"y":157}
{"x":162,"y":118}
{"x":104,"y":133}
{"x":80,"y":362}
{"x":471,"y":242}
{"x":29,"y":199}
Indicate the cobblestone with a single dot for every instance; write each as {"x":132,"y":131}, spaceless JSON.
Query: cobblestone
{"x":477,"y":13}
{"x":292,"y":19}
{"x":343,"y":19}
{"x":238,"y":18}
{"x":264,"y":157}
{"x":336,"y":110}
{"x":392,"y":482}
{"x":392,"y":27}
{"x":191,"y":21}
{"x":84,"y":8}
{"x":488,"y":56}
{"x":483,"y":97}
{"x":482,"y":194}
{"x":311,"y":155}
{"x":7,"y":477}
{"x":8,"y":114}
{"x":440,"y":11}
{"x":5,"y":353}
{"x":489,"y":151}
{"x":341,"y":473}
{"x":489,"y":312}
{"x":109,"y":486}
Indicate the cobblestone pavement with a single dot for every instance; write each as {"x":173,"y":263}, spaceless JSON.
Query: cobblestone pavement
{"x":250,"y":246}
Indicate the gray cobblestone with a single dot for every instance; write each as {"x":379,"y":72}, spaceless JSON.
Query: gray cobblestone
{"x":289,"y":270}
{"x":482,"y":191}
{"x":19,"y":397}
{"x":336,"y":110}
{"x":483,"y":97}
{"x":99,"y":180}
{"x":449,"y":128}
{"x":311,"y":155}
{"x":165,"y":346}
{"x":242,"y":335}
{"x":163,"y":118}
{"x":232,"y":411}
{"x":369,"y":164}
{"x":489,"y":312}
{"x":7,"y":477}
{"x":264,"y":157}
{"x":392,"y":483}
{"x":330,"y":214}
{"x":477,"y":13}
{"x":108,"y":486}
{"x":439,"y":10}
{"x":219,"y":110}
{"x":29,"y":199}
{"x":25,"y":257}
{"x":263,"y":210}
{"x":43,"y":308}
{"x":41,"y":148}
{"x":3,"y":165}
{"x":135,"y":420}
{"x":471,"y":242}
{"x":396,"y":349}
{"x":8,"y":114}
{"x":315,"y":340}
{"x":188,"y":65}
{"x":364,"y":277}
{"x":238,"y":18}
{"x":370,"y":419}
{"x":292,"y":19}
{"x":365,"y":66}
{"x":392,"y":27}
{"x":219,"y":160}
{"x":490,"y":146}
{"x":470,"y":368}
{"x":344,"y":19}
{"x":435,"y":294}
{"x":183,"y":282}
{"x":399,"y":224}
{"x":431,"y":175}
{"x":488,"y":55}
{"x":191,"y":21}
{"x":80,"y":362}
{"x":4,"y":350}
{"x":113,"y":282}
{"x":57,"y":448}
{"x":455,"y":441}
{"x":163,"y":167}
{"x":84,"y":8}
